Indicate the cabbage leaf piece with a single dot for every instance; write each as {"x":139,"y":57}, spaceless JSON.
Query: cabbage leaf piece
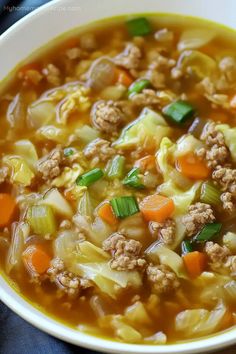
{"x":230,"y":138}
{"x":200,"y":322}
{"x":26,"y":149}
{"x":146,"y":131}
{"x":20,"y":170}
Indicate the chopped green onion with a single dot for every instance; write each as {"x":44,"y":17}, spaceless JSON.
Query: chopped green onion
{"x":186,"y":247}
{"x":139,"y":27}
{"x":41,"y":219}
{"x":138,"y":86}
{"x":124,"y":206}
{"x":69,"y":152}
{"x":179,"y":111}
{"x":210,"y":194}
{"x":133,"y":179}
{"x":115,"y":168}
{"x":208,"y":232}
{"x":90,"y":177}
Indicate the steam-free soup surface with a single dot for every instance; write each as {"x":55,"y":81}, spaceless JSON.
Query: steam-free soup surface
{"x":118,"y":180}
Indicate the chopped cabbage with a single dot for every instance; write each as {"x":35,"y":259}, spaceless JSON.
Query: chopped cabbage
{"x":40,"y":113}
{"x":68,"y":177}
{"x":20,"y":171}
{"x":156,"y":252}
{"x":137,"y":314}
{"x":124,"y":330}
{"x":65,"y":246}
{"x":157,"y":338}
{"x":86,"y":134}
{"x":200,"y":322}
{"x":25,"y":149}
{"x":187,"y":143}
{"x":194,"y":38}
{"x":86,"y":252}
{"x":51,"y":132}
{"x":230,"y":138}
{"x":54,"y":199}
{"x":229,"y":240}
{"x":85,"y":205}
{"x":146,"y":131}
{"x":108,"y":280}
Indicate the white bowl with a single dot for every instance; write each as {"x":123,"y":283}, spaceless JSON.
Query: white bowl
{"x":34,"y":31}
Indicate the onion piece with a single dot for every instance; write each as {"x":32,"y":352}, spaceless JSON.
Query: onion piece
{"x":101,"y":73}
{"x":197,"y":63}
{"x":20,"y":232}
{"x":195,"y":38}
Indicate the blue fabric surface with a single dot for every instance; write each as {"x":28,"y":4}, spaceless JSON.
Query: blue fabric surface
{"x":19,"y":337}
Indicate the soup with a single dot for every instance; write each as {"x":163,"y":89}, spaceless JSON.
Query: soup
{"x":118,"y":180}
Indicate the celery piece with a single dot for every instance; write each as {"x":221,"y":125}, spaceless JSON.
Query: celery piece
{"x":210,"y":194}
{"x":41,"y":219}
{"x":115,"y":168}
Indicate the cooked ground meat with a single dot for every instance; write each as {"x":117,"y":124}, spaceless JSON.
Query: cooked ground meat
{"x":50,"y":166}
{"x":66,"y":281}
{"x":164,"y":231}
{"x":228,"y":201}
{"x":228,"y":66}
{"x":231,"y":265}
{"x":164,"y":35}
{"x":3,"y":174}
{"x":99,"y":150}
{"x":125,"y":252}
{"x":216,"y":253}
{"x":163,"y":280}
{"x":199,"y":215}
{"x":147,"y":97}
{"x":156,"y":78}
{"x":73,"y":53}
{"x":130,"y":57}
{"x":53,"y":74}
{"x":226,"y":177}
{"x":211,"y":136}
{"x":106,"y":116}
{"x":88,"y":41}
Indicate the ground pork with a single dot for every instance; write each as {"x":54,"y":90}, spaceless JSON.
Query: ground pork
{"x":156,"y":78}
{"x":3,"y":174}
{"x":163,"y":280}
{"x":199,"y":214}
{"x":66,"y":281}
{"x":106,"y":116}
{"x":130,"y":57}
{"x":88,"y":41}
{"x":216,"y":152}
{"x":158,"y":69}
{"x":164,"y":231}
{"x":52,"y":74}
{"x":50,"y":165}
{"x":147,"y":97}
{"x":226,"y":178}
{"x":73,"y":53}
{"x":228,"y":66}
{"x":164,"y":35}
{"x":99,"y":150}
{"x":125,"y":252}
{"x":221,"y":258}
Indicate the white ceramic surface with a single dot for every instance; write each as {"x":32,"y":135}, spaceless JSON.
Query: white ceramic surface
{"x":37,"y":29}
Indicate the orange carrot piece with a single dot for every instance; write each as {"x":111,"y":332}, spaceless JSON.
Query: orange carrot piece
{"x":191,"y":166}
{"x":155,"y":207}
{"x":7,"y":209}
{"x":35,"y":259}
{"x":105,"y":212}
{"x":195,"y":263}
{"x":146,"y":163}
{"x":123,"y":77}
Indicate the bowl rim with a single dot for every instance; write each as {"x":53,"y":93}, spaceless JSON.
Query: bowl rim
{"x":18,"y":304}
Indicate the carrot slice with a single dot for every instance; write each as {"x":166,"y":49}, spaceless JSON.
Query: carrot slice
{"x":36,"y":260}
{"x":7,"y":209}
{"x":146,"y":163}
{"x":157,"y":208}
{"x":122,"y":77}
{"x":195,"y":263}
{"x":105,"y":212}
{"x":191,"y":166}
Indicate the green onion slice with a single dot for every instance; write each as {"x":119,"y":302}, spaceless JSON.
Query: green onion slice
{"x":186,"y":247}
{"x":90,"y":177}
{"x":124,"y":206}
{"x":139,"y":27}
{"x":138,"y":86}
{"x":210,"y":194}
{"x":69,"y":151}
{"x":179,"y":111}
{"x":208,"y":232}
{"x":133,"y":179}
{"x":116,"y":167}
